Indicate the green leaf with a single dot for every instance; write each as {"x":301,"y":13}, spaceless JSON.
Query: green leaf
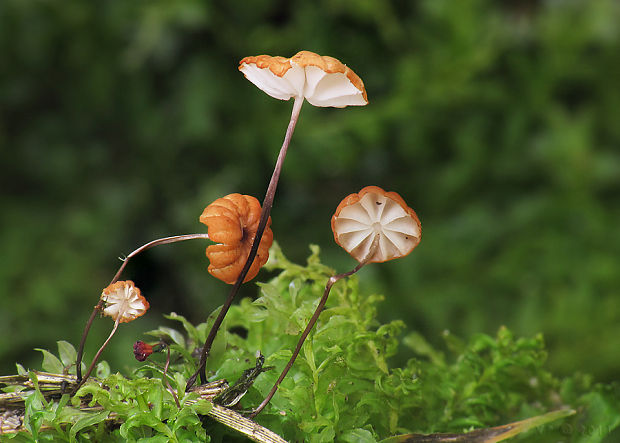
{"x":202,"y":407}
{"x":140,"y":419}
{"x":59,"y":411}
{"x":155,"y":397}
{"x":102,"y":370}
{"x":51,"y":363}
{"x":187,"y":426}
{"x":358,"y":436}
{"x":179,"y":381}
{"x":168,"y":333}
{"x":191,"y":330}
{"x":67,"y":353}
{"x":86,"y":421}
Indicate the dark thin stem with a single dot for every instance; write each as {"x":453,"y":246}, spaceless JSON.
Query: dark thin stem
{"x":174,"y":395}
{"x":266,"y":210}
{"x":332,"y":280}
{"x":97,"y":355}
{"x":80,"y":353}
{"x":158,"y":242}
{"x":99,"y":306}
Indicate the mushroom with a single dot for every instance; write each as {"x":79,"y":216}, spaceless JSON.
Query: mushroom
{"x":323,"y":81}
{"x":232,"y":222}
{"x":373,"y":214}
{"x":123,"y":303}
{"x":372,"y":226}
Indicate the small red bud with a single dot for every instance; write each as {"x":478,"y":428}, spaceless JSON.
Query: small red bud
{"x":142,"y":350}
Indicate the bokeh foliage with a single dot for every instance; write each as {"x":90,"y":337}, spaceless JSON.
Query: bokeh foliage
{"x":496,"y":121}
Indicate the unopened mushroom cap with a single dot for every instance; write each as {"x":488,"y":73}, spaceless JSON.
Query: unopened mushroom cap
{"x":374,"y":213}
{"x":123,"y":301}
{"x":322,"y":80}
{"x":232,"y":222}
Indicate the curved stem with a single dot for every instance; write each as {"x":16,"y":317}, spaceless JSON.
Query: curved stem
{"x":332,"y":280}
{"x":80,"y":352}
{"x":157,"y":242}
{"x":266,"y":210}
{"x":167,"y":383}
{"x":99,"y":306}
{"x":97,"y":355}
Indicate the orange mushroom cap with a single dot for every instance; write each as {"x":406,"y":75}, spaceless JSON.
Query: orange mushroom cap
{"x":322,"y":80}
{"x":374,"y":213}
{"x":124,"y":302}
{"x":232,"y":222}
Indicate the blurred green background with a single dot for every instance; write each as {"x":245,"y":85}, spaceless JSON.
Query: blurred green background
{"x":498,"y":122}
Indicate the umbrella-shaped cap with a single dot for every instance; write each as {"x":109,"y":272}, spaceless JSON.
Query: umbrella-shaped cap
{"x":322,"y":80}
{"x":233,"y":221}
{"x":123,"y":301}
{"x":373,"y":214}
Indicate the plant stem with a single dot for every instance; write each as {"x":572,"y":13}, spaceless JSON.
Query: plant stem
{"x":266,"y":210}
{"x":332,"y":280}
{"x":80,"y":352}
{"x":98,"y":306}
{"x":97,"y":355}
{"x":174,"y":395}
{"x":157,"y":242}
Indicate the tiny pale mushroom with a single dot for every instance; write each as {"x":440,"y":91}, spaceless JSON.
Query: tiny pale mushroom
{"x":376,"y":216}
{"x":123,"y":301}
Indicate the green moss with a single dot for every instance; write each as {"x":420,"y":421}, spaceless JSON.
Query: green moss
{"x":344,"y":385}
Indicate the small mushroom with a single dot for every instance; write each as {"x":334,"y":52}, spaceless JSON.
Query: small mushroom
{"x":322,"y":80}
{"x":373,"y":214}
{"x":123,"y":303}
{"x":373,"y":226}
{"x":232,"y":222}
